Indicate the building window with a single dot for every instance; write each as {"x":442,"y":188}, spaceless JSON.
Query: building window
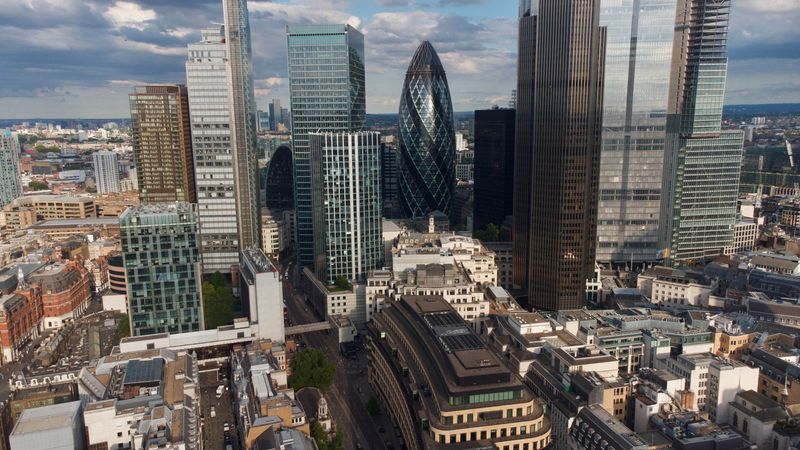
{"x":735,"y":419}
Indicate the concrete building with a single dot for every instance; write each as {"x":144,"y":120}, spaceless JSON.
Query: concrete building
{"x":656,"y":388}
{"x":449,"y":282}
{"x":596,"y":429}
{"x":106,"y":172}
{"x":694,"y":369}
{"x":66,"y":292}
{"x":754,"y":415}
{"x":10,"y":185}
{"x":26,"y":211}
{"x":160,"y":248}
{"x":667,"y":286}
{"x":261,"y":293}
{"x":378,"y":290}
{"x":277,"y":232}
{"x":725,"y":379}
{"x":745,"y":236}
{"x":142,"y":400}
{"x":444,"y":385}
{"x":347,"y":208}
{"x":778,"y":379}
{"x":54,"y":427}
{"x":331,"y":300}
{"x":162,"y":143}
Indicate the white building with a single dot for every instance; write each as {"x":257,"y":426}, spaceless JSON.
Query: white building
{"x":694,"y":370}
{"x":657,"y":388}
{"x":261,"y":292}
{"x":745,"y":235}
{"x":379,"y":289}
{"x":10,"y":185}
{"x":106,"y":172}
{"x":725,"y":379}
{"x":754,"y":416}
{"x":53,"y":427}
{"x":451,"y":283}
{"x":207,"y":85}
{"x":668,"y":286}
{"x":275,"y":235}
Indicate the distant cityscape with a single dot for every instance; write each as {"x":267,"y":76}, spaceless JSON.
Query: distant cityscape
{"x":606,"y":257}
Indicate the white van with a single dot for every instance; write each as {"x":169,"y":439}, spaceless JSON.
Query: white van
{"x":220,"y":390}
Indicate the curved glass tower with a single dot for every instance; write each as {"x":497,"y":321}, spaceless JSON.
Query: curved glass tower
{"x":427,"y":138}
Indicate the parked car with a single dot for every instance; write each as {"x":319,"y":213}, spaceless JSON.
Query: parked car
{"x":213,"y":412}
{"x":220,"y":390}
{"x":226,"y":426}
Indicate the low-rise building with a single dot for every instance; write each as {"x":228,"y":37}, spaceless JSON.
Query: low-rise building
{"x":781,"y":264}
{"x":450,"y":282}
{"x":332,"y":300}
{"x":20,"y":315}
{"x":668,"y":286}
{"x":56,"y":427}
{"x":745,"y":236}
{"x":25,"y":211}
{"x":754,"y":415}
{"x":596,"y":429}
{"x":725,"y":379}
{"x":66,"y":291}
{"x":444,"y":386}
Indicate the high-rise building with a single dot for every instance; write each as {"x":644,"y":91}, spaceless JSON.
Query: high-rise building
{"x":207,"y":83}
{"x":262,"y":294}
{"x":279,"y":187}
{"x":162,"y":143}
{"x":106,"y":172}
{"x":427,"y":137}
{"x":390,"y":188}
{"x":494,"y":166}
{"x":326,"y":86}
{"x":560,"y":106}
{"x":160,"y":249}
{"x":242,"y":113}
{"x":347,"y":204}
{"x":10,"y":185}
{"x":636,"y":92}
{"x":275,"y":114}
{"x":702,"y":162}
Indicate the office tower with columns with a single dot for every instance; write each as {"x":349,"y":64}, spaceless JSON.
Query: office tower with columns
{"x":106,"y":172}
{"x":242,"y":113}
{"x":347,"y":204}
{"x":10,"y":184}
{"x":327,"y":90}
{"x":494,"y":166}
{"x":559,"y":124}
{"x":427,"y":137}
{"x":160,"y":251}
{"x":703,"y":162}
{"x":207,"y":82}
{"x":162,"y":143}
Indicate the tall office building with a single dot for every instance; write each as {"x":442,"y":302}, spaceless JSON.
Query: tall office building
{"x":162,"y":143}
{"x":702,"y":162}
{"x":207,"y":82}
{"x":494,"y":166}
{"x":279,"y":185}
{"x":275,"y":114}
{"x":326,"y":86}
{"x":242,"y":113}
{"x":562,"y":58}
{"x":347,"y":204}
{"x":637,"y":73}
{"x":10,"y":185}
{"x":106,"y":172}
{"x":160,"y":250}
{"x":427,"y":137}
{"x":391,"y":183}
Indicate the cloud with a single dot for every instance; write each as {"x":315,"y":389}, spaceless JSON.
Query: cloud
{"x":128,"y":14}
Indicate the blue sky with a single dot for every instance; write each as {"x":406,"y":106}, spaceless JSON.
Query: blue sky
{"x":80,"y":58}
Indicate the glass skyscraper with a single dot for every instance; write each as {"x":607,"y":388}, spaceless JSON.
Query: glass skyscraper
{"x":427,"y":137}
{"x":162,"y":268}
{"x":327,"y":90}
{"x":494,"y":166}
{"x":637,"y":86}
{"x":207,"y":82}
{"x":703,"y":162}
{"x":242,"y":111}
{"x":346,"y":174}
{"x":10,"y":185}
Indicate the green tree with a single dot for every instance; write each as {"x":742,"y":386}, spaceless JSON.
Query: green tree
{"x":218,"y":305}
{"x":124,"y":327}
{"x":37,"y":185}
{"x":373,"y":407}
{"x":342,"y":283}
{"x":325,"y":442}
{"x":47,"y":148}
{"x":218,"y":279}
{"x":311,"y":367}
{"x":489,"y":234}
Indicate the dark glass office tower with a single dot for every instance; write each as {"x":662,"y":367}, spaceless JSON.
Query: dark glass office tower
{"x":427,"y":137}
{"x":279,"y":186}
{"x":702,"y":164}
{"x":563,"y":47}
{"x":326,"y":86}
{"x":494,"y":166}
{"x":242,"y":109}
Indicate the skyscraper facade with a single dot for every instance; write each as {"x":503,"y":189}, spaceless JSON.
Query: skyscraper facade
{"x":346,"y":174}
{"x":279,"y":185}
{"x":637,"y":73}
{"x":427,"y":137}
{"x":207,"y":83}
{"x":162,"y":143}
{"x":242,"y":113}
{"x":494,"y":166}
{"x":275,"y":114}
{"x":327,"y":90}
{"x":703,"y":162}
{"x":391,"y":183}
{"x":10,"y":185}
{"x":568,"y":47}
{"x":160,"y":250}
{"x":106,"y":172}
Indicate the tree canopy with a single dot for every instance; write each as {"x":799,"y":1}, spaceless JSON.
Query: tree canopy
{"x":311,"y":367}
{"x":218,"y":304}
{"x":37,"y":185}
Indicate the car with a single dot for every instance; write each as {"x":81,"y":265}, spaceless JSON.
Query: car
{"x":226,"y":426}
{"x":220,"y":390}
{"x":228,"y":447}
{"x":213,"y":412}
{"x":359,"y":446}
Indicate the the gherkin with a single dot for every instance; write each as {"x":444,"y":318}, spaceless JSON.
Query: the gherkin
{"x":427,"y":137}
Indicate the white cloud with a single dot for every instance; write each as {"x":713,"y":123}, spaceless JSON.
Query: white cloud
{"x":303,"y":12}
{"x":129,"y":14}
{"x":769,"y":6}
{"x":148,"y":47}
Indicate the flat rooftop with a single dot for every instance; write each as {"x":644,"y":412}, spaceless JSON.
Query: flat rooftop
{"x":51,"y":417}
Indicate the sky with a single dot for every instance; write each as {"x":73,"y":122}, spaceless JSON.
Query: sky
{"x":80,"y":58}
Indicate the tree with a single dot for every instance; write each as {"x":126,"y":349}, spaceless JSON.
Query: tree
{"x":489,"y":234}
{"x":342,"y":283}
{"x":218,"y":305}
{"x":124,"y":327}
{"x":37,"y":185}
{"x":47,"y":148}
{"x":373,"y":407}
{"x":218,"y":279}
{"x":311,"y":367}
{"x":324,"y":442}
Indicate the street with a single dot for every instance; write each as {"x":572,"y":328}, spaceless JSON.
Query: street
{"x":348,"y":394}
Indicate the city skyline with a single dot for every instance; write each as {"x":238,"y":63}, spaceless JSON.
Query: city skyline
{"x":44,"y":80}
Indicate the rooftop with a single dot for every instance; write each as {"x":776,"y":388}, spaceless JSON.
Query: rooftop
{"x":51,"y":417}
